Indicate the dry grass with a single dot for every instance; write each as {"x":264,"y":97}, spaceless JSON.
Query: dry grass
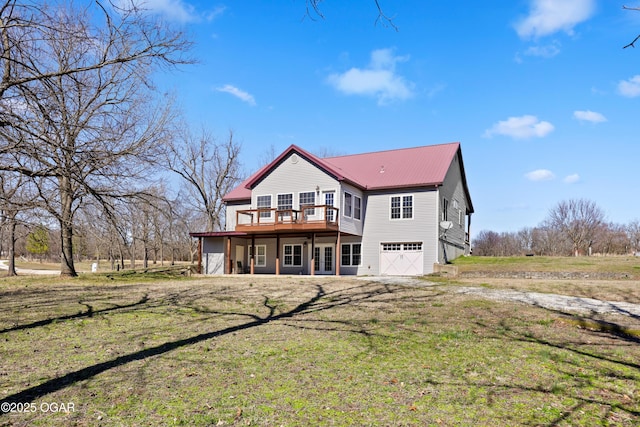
{"x":302,"y":351}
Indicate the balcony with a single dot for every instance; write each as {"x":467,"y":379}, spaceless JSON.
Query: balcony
{"x":317,"y":218}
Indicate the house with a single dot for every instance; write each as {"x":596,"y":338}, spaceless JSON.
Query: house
{"x":395,"y":212}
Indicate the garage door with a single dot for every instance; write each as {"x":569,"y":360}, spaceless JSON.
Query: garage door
{"x":401,"y":259}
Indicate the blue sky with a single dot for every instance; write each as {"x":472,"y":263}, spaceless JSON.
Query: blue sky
{"x":540,"y":93}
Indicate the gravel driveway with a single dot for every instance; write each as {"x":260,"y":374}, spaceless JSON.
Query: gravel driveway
{"x":549,"y":301}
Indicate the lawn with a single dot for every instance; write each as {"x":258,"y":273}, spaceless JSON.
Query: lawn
{"x":301,"y":351}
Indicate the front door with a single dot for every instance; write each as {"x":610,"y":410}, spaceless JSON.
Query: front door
{"x":323,"y":259}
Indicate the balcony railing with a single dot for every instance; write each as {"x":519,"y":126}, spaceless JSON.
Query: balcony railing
{"x":308,"y":218}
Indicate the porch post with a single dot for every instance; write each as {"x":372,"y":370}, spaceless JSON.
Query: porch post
{"x":199,"y":255}
{"x":229,"y":264}
{"x":313,"y":254}
{"x":277,"y":254}
{"x":253,"y":253}
{"x":338,"y":255}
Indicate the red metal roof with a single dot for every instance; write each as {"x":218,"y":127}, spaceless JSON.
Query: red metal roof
{"x":407,"y":167}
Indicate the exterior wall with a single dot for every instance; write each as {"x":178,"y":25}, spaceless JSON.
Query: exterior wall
{"x":350,"y":224}
{"x":452,"y":242}
{"x":294,"y":176}
{"x":230,"y":213}
{"x":270,"y":246}
{"x":213,"y":255}
{"x":379,"y":228}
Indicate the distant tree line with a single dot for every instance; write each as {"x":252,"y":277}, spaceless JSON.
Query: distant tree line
{"x":572,"y":227}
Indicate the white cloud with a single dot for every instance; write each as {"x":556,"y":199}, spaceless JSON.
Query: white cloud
{"x":572,"y":179}
{"x":550,"y":16}
{"x":589,"y":116}
{"x":540,"y":175}
{"x":174,"y":10}
{"x":546,"y":51}
{"x":379,"y":79}
{"x":238,"y":93}
{"x":522,"y":127}
{"x":630,"y":88}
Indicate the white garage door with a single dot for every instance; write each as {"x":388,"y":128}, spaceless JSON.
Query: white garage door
{"x":401,"y":259}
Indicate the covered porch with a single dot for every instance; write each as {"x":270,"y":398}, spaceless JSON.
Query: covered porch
{"x":291,"y":253}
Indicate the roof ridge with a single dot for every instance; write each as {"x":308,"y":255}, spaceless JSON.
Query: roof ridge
{"x":391,"y":149}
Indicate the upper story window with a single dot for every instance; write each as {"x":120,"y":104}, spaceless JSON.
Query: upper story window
{"x":348,"y":205}
{"x":308,"y":199}
{"x":352,"y":206}
{"x":264,"y":202}
{"x":401,"y":207}
{"x":285,"y":202}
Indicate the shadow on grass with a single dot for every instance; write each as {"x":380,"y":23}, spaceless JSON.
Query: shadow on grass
{"x":318,"y":302}
{"x":90,"y":312}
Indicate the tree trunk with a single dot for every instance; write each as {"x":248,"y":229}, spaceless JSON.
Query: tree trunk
{"x":67,"y":267}
{"x":12,"y":248}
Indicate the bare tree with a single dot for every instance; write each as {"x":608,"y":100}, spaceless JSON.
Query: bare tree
{"x":17,"y":200}
{"x":313,"y":8}
{"x":88,"y":134}
{"x":579,"y":220}
{"x":209,"y":169}
{"x":120,"y":34}
{"x":633,"y":232}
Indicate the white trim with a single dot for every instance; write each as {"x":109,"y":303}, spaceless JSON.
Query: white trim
{"x":257,"y":256}
{"x":351,"y":245}
{"x":402,"y":196}
{"x":284,"y":264}
{"x":344,"y":204}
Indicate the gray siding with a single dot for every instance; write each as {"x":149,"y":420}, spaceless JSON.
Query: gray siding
{"x":378,"y":227}
{"x":213,"y":255}
{"x":453,"y":242}
{"x":350,"y":224}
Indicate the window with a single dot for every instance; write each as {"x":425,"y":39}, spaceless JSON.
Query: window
{"x":261,"y":255}
{"x":395,"y":207}
{"x":292,"y":256}
{"x":264,"y":202}
{"x":391,"y":247}
{"x":407,"y":207}
{"x":348,"y":204}
{"x":351,"y":254}
{"x":357,"y":207}
{"x":285,"y":202}
{"x":412,"y":246}
{"x":308,"y":199}
{"x":398,"y":247}
{"x":445,"y":210}
{"x":402,"y":207}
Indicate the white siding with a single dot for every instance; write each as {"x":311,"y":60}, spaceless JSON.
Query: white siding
{"x":231,"y":209}
{"x":379,"y":228}
{"x":293,"y":177}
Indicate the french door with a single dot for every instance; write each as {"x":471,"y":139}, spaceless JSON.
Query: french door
{"x":323,"y":259}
